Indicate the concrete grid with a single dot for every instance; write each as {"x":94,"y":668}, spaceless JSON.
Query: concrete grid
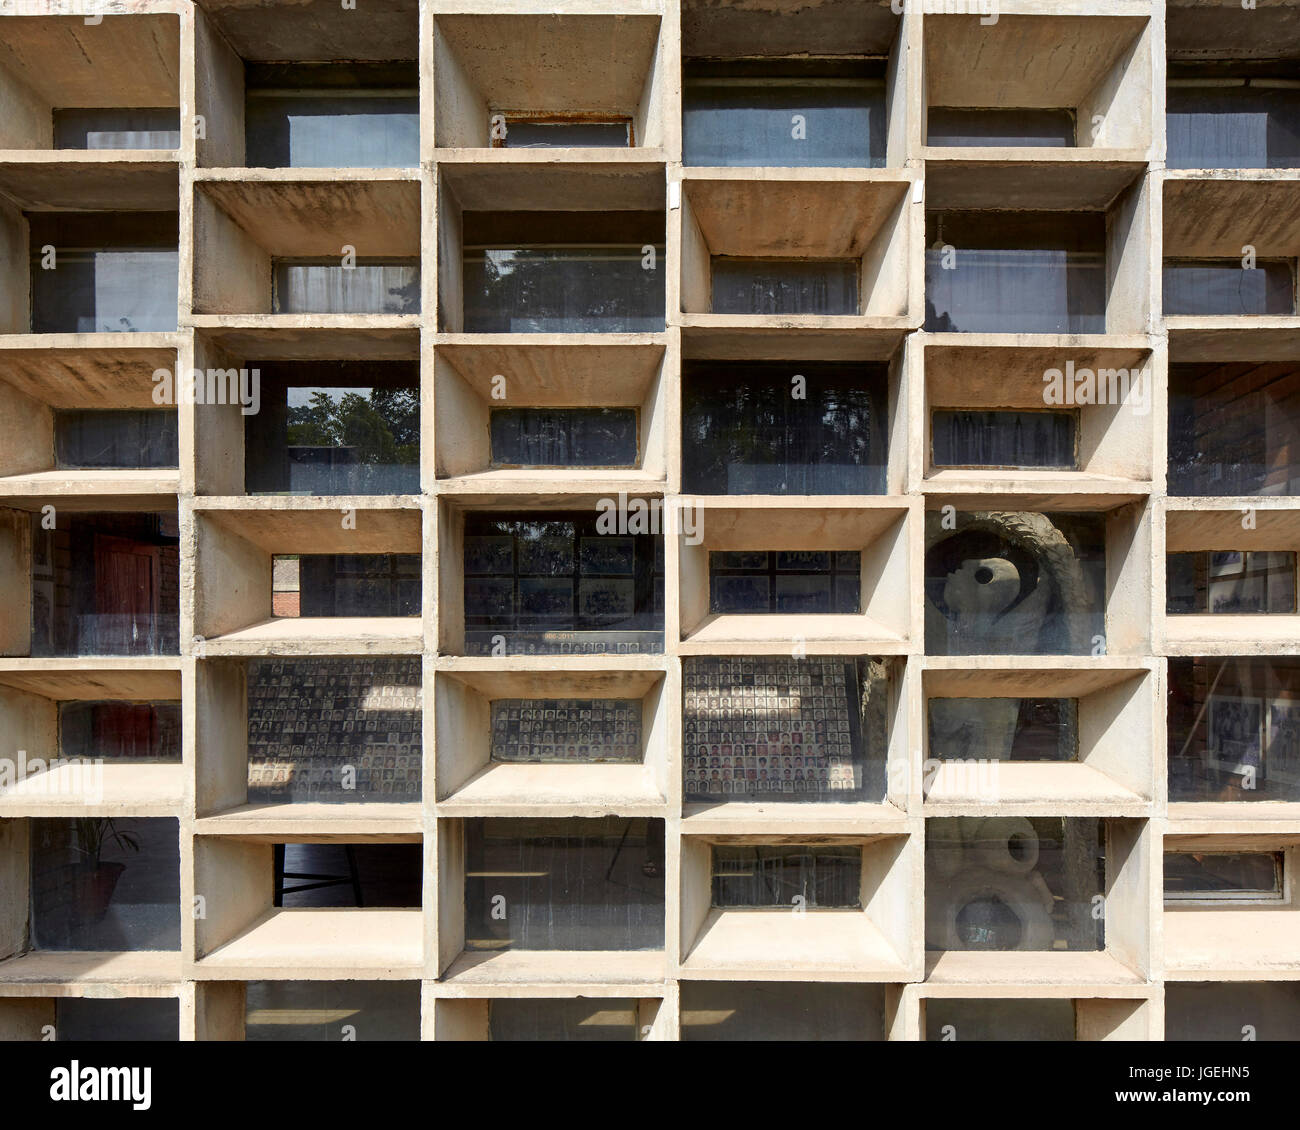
{"x":1106,"y":59}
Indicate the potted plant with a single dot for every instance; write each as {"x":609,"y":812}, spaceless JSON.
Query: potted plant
{"x":94,"y":878}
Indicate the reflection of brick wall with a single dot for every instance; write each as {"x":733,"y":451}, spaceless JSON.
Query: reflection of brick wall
{"x":285,"y":604}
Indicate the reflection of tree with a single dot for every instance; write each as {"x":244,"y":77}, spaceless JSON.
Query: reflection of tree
{"x":382,"y":429}
{"x":577,"y":286}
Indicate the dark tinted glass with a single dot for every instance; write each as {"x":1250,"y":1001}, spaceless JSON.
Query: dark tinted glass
{"x":785,"y":286}
{"x":123,"y":438}
{"x":134,"y":731}
{"x":106,"y":883}
{"x":1234,"y":429}
{"x":602,"y":1018}
{"x":967,"y":1020}
{"x":607,"y":289}
{"x":1030,"y":272}
{"x":564,"y":437}
{"x":347,"y":584}
{"x":1228,"y":1011}
{"x":551,"y":584}
{"x":129,"y":1020}
{"x":1253,"y":875}
{"x":1234,"y":729}
{"x":290,"y":129}
{"x":327,"y":287}
{"x":602,"y":884}
{"x":117,"y":129}
{"x":1229,"y":581}
{"x":755,"y":1010}
{"x":747,"y":429}
{"x":1004,"y":729}
{"x":787,"y":875}
{"x":335,"y":427}
{"x":784,"y":121}
{"x":785,"y":581}
{"x":973,"y":438}
{"x":1225,"y":287}
{"x":524,"y":134}
{"x":109,"y":272}
{"x":106,"y":584}
{"x":952,"y":126}
{"x":331,"y":1011}
{"x":1248,"y":126}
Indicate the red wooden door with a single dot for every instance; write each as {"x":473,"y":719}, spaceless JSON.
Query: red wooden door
{"x":126,"y":595}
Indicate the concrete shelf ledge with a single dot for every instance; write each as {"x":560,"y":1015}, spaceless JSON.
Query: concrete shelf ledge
{"x":635,"y":971}
{"x":330,"y":944}
{"x":78,"y":973}
{"x":362,"y":822}
{"x":108,"y":789}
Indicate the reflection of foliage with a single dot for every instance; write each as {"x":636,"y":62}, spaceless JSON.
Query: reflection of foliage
{"x":94,"y":833}
{"x":383,"y":429}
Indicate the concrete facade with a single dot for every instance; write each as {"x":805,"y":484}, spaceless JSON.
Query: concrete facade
{"x":1103,"y":59}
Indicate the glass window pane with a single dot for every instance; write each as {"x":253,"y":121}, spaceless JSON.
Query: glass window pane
{"x":1225,"y":287}
{"x":1242,"y":875}
{"x":780,"y":729}
{"x":1020,"y":127}
{"x":330,"y":288}
{"x":1234,"y":429}
{"x":104,"y":883}
{"x":106,"y":584}
{"x":335,"y":428}
{"x":126,"y":731}
{"x":974,"y":438}
{"x":1004,"y":729}
{"x":92,"y":438}
{"x":1229,"y":581}
{"x":1234,"y":729}
{"x":564,"y":437}
{"x":1025,"y":272}
{"x":334,"y":730}
{"x":784,"y":121}
{"x":522,"y":133}
{"x":331,"y":1011}
{"x":601,"y":1018}
{"x":785,"y":286}
{"x":1223,"y":1011}
{"x":744,"y":433}
{"x":739,"y":1010}
{"x":767,"y":875}
{"x":566,"y":729}
{"x":129,"y":1020}
{"x":1014,"y":883}
{"x":556,"y":584}
{"x":352,"y":584}
{"x":568,"y":884}
{"x":116,"y":290}
{"x":1015,"y":584}
{"x":363,"y":129}
{"x":564,"y":290}
{"x":1253,"y":125}
{"x":1025,"y":1020}
{"x":111,"y":128}
{"x":807,"y":582}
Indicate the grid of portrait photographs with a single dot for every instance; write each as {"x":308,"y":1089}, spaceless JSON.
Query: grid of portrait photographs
{"x":805,"y":581}
{"x":767,"y":728}
{"x":330,"y":730}
{"x":566,"y":729}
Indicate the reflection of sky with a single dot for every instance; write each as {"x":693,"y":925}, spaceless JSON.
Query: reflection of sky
{"x":300,"y":397}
